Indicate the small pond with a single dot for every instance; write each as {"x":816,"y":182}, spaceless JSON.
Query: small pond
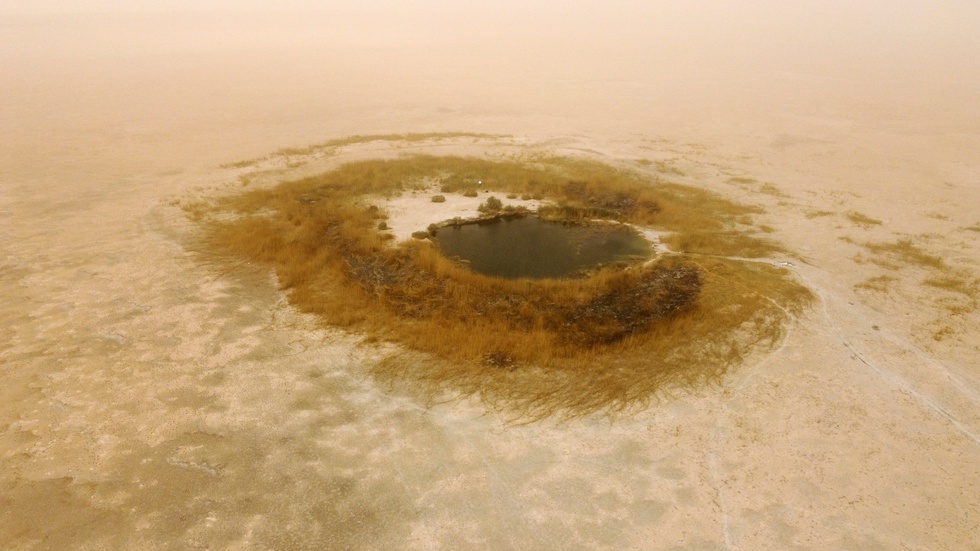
{"x":526,"y":246}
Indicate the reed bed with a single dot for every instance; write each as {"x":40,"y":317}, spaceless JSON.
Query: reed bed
{"x":537,"y":348}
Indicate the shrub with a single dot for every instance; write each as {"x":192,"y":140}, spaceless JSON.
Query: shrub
{"x":438,"y":199}
{"x":492,"y":204}
{"x":470,"y":193}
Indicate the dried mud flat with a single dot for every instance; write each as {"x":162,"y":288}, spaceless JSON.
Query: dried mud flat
{"x":150,"y":400}
{"x":153,"y":399}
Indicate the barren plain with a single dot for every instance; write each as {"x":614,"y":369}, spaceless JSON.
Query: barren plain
{"x":151,"y":400}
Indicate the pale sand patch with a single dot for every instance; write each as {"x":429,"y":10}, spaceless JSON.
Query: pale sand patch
{"x":413,"y":211}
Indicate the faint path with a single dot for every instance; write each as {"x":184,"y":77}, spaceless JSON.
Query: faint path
{"x":895,"y":380}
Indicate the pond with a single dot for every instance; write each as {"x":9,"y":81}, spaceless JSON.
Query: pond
{"x":526,"y":246}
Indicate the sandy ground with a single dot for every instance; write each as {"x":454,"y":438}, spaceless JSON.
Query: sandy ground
{"x":150,"y":401}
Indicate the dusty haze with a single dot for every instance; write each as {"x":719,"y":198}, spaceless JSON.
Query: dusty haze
{"x":146,"y":401}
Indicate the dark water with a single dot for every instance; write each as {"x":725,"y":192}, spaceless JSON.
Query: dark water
{"x":534,"y":248}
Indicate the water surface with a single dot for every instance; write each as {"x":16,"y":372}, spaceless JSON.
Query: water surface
{"x":534,"y":248}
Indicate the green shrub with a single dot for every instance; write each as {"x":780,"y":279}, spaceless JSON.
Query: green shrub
{"x":438,"y":199}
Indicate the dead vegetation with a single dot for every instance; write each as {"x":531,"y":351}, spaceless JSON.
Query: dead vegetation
{"x":811,"y":214}
{"x":770,"y":188}
{"x":862,"y":220}
{"x":536,"y":347}
{"x":956,"y":291}
{"x":905,"y":252}
{"x":663,"y":167}
{"x":879,"y":283}
{"x":958,"y":284}
{"x":334,"y":144}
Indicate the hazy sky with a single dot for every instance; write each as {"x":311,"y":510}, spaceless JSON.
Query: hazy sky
{"x":93,"y":65}
{"x":945,"y":32}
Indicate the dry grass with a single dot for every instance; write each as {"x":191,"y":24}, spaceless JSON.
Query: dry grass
{"x":770,"y":188}
{"x":243,"y":164}
{"x":960,"y":289}
{"x":665,"y":167}
{"x":811,"y":214}
{"x":359,"y":139}
{"x":730,"y":243}
{"x":880,"y":283}
{"x":859,"y":219}
{"x":953,"y":284}
{"x":333,"y":144}
{"x":906,"y":252}
{"x":943,"y":333}
{"x":535,"y":347}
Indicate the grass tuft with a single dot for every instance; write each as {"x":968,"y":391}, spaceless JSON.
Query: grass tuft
{"x":880,"y":283}
{"x":770,"y":188}
{"x":859,"y":219}
{"x":952,"y":284}
{"x":811,"y":214}
{"x":907,"y":252}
